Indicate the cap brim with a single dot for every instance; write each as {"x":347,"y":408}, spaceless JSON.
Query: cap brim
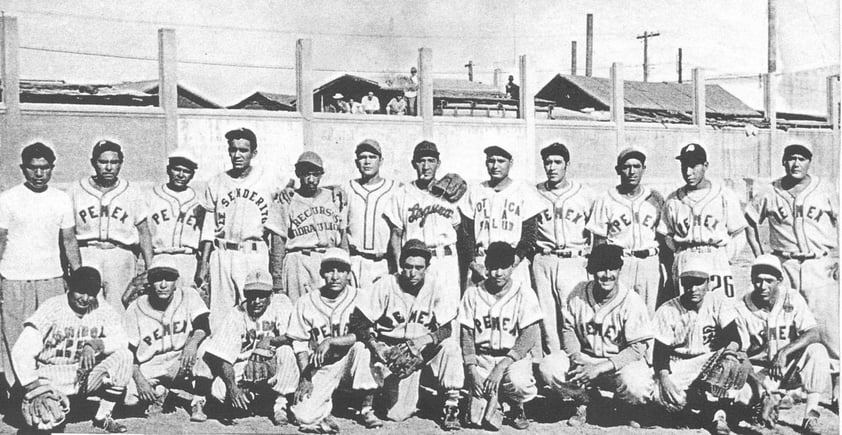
{"x":695,"y":274}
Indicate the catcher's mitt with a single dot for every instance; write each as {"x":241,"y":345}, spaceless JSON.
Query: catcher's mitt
{"x":260,"y":366}
{"x":137,"y":287}
{"x":725,"y":370}
{"x":44,"y":408}
{"x":450,"y":187}
{"x":403,"y":359}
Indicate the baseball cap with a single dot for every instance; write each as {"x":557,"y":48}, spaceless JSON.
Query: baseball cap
{"x":496,"y":150}
{"x":258,"y":280}
{"x":162,"y":269}
{"x":425,"y":149}
{"x":631,"y":153}
{"x":605,"y":257}
{"x":369,"y":145}
{"x":106,"y":145}
{"x":499,"y":255}
{"x":336,"y":255}
{"x":803,"y":148}
{"x":182,"y":156}
{"x":556,"y":149}
{"x":692,"y":154}
{"x":85,"y":280}
{"x":415,"y":248}
{"x":309,"y":158}
{"x":242,"y":133}
{"x":767,"y":264}
{"x":695,"y":267}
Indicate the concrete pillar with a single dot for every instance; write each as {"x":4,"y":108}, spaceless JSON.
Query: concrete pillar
{"x":168,"y":86}
{"x":699,"y":107}
{"x":770,"y":89}
{"x":10,"y":76}
{"x":527,"y":111}
{"x":833,"y":101}
{"x":425,"y":91}
{"x":618,"y":104}
{"x":304,"y":89}
{"x":497,"y":73}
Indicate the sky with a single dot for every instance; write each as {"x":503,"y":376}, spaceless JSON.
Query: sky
{"x":229,"y":49}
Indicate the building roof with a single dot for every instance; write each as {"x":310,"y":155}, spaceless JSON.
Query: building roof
{"x":61,"y":92}
{"x":261,"y":100}
{"x":186,"y":97}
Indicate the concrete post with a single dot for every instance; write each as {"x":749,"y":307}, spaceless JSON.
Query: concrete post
{"x":10,"y":76}
{"x":618,"y":104}
{"x":168,"y":86}
{"x":304,"y":89}
{"x":497,"y":73}
{"x":770,"y":88}
{"x":833,"y":101}
{"x":425,"y":91}
{"x":527,"y":110}
{"x":699,"y":107}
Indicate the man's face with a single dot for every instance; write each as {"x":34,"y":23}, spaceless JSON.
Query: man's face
{"x":631,"y":172}
{"x":498,"y":167}
{"x":163,"y":289}
{"x":371,"y":95}
{"x":180,"y":175}
{"x":693,"y":174}
{"x":426,"y":167}
{"x":695,"y":288}
{"x":310,"y":177}
{"x":606,"y":279}
{"x":335,"y":276}
{"x":37,"y":172}
{"x":368,"y":163}
{"x":797,"y":166}
{"x":80,"y":302}
{"x":765,"y":286}
{"x":500,"y":276}
{"x":556,"y":168}
{"x":257,"y":302}
{"x":413,"y":270}
{"x":107,"y":166}
{"x":240,"y":153}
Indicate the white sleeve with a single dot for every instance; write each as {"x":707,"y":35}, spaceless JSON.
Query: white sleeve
{"x":24,"y":352}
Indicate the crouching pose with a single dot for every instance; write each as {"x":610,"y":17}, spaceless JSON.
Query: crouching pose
{"x":415,"y":310}
{"x":71,"y":346}
{"x":605,"y":336}
{"x":500,"y":319}
{"x":250,"y":356}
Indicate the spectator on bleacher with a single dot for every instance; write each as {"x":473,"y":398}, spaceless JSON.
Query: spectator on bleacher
{"x":356,"y":108}
{"x":411,"y":91}
{"x":371,"y":104}
{"x":512,"y":90}
{"x":396,"y":106}
{"x":338,"y":105}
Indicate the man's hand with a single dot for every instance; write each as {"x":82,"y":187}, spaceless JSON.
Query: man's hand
{"x":285,"y":195}
{"x":144,"y":390}
{"x":340,"y":198}
{"x":778,"y":368}
{"x":317,"y":358}
{"x":188,"y":358}
{"x":201,"y":276}
{"x":422,"y":342}
{"x":584,"y":374}
{"x":474,"y":380}
{"x":87,"y":358}
{"x":492,"y":382}
{"x":265,"y":343}
{"x":305,"y":388}
{"x":238,"y":398}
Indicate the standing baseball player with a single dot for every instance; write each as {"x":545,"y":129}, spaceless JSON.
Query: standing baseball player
{"x":500,"y":319}
{"x":703,"y":219}
{"x":242,"y":227}
{"x":802,"y":212}
{"x":412,"y":306}
{"x":326,"y":350}
{"x":627,"y":216}
{"x":605,"y":337}
{"x":311,"y":222}
{"x":781,"y":337}
{"x":111,"y":223}
{"x":368,"y":231}
{"x":417,"y":213}
{"x":75,"y":346}
{"x":165,"y":328}
{"x":36,"y":223}
{"x":253,"y":331}
{"x":562,"y":240}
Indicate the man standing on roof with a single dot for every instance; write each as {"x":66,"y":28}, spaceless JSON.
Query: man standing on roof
{"x":411,"y":92}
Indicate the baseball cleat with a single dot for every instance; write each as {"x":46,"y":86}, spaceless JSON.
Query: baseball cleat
{"x":580,"y":418}
{"x":810,"y":425}
{"x":450,"y":420}
{"x":109,"y":425}
{"x":197,"y":411}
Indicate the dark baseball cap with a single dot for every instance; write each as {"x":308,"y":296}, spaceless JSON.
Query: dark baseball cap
{"x":242,"y":133}
{"x":496,"y":150}
{"x":499,"y":255}
{"x":556,"y":149}
{"x":425,"y":149}
{"x":692,"y":154}
{"x":415,"y":248}
{"x":605,"y":257}
{"x":800,"y":148}
{"x":631,"y":153}
{"x":106,"y":145}
{"x":369,"y":145}
{"x":85,"y":280}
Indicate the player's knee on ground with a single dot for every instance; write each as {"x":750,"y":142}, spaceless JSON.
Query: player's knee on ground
{"x":554,"y":367}
{"x":815,"y":371}
{"x":361,"y":368}
{"x":518,"y":384}
{"x":634,"y":383}
{"x":451,"y":374}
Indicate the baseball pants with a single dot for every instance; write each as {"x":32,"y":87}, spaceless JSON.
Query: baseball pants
{"x":447,"y":367}
{"x":366,"y":270}
{"x":284,"y":382}
{"x":353,"y":369}
{"x":445,"y":268}
{"x":817,"y":279}
{"x":185,"y":264}
{"x":112,"y":374}
{"x":632,"y":384}
{"x":719,"y":269}
{"x":812,"y":366}
{"x":644,"y":276}
{"x":516,"y":387}
{"x":18,"y":301}
{"x":686,"y":370}
{"x":228,"y":271}
{"x":164,"y":371}
{"x":301,"y":273}
{"x":555,"y":278}
{"x":117,"y":266}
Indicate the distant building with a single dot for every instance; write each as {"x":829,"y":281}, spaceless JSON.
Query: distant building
{"x":121,"y":94}
{"x":267,"y":101}
{"x":187,"y":99}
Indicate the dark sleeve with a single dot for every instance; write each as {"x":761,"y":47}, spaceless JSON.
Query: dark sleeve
{"x":133,"y":350}
{"x":526,"y":245}
{"x":661,"y":357}
{"x":360,"y":325}
{"x":441,"y":333}
{"x":630,"y":354}
{"x":469,"y":241}
{"x":525,"y":341}
{"x":469,"y":351}
{"x":202,"y":323}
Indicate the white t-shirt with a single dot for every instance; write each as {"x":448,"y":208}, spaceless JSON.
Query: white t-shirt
{"x":33,"y":221}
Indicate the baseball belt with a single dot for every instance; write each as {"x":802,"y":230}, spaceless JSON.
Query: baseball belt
{"x":172,"y":251}
{"x":565,"y":253}
{"x":441,"y":251}
{"x":697,"y":247}
{"x":641,"y":253}
{"x":798,"y":255}
{"x":307,"y":251}
{"x":352,"y":250}
{"x":492,"y":352}
{"x":248,"y":245}
{"x":103,"y":244}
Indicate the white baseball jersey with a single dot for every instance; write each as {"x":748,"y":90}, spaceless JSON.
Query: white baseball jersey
{"x":422,"y":216}
{"x":498,"y":216}
{"x":400,"y":315}
{"x":629,"y":223}
{"x":241,"y":208}
{"x":702,"y":217}
{"x":160,"y":336}
{"x":498,"y":319}
{"x":803,"y":223}
{"x":691,"y":333}
{"x":367,"y":230}
{"x":312,"y":222}
{"x":562,"y":224}
{"x":316,"y":317}
{"x":110,"y":216}
{"x":173,"y":219}
{"x":240,"y":333}
{"x":605,"y":329}
{"x":766,"y":332}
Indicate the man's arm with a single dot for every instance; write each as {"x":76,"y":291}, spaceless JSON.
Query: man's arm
{"x":205,"y":248}
{"x":277,"y":250}
{"x":4,"y":236}
{"x":71,"y":247}
{"x":24,"y":352}
{"x":782,"y":358}
{"x":225,"y":370}
{"x":753,"y":237}
{"x":599,"y":240}
{"x":661,"y":358}
{"x":528,"y":235}
{"x":395,"y":237}
{"x":145,"y":240}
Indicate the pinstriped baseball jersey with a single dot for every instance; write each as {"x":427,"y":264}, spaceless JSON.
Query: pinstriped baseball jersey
{"x":709,"y":216}
{"x":312,"y":222}
{"x":158,"y":335}
{"x":241,"y":208}
{"x":109,"y":216}
{"x":767,"y":332}
{"x":629,"y":223}
{"x":316,"y":317}
{"x":605,"y":329}
{"x":805,"y":222}
{"x":498,"y":216}
{"x":240,"y":333}
{"x":691,"y":333}
{"x":563,"y":223}
{"x":173,"y":219}
{"x":423,"y":216}
{"x":498,"y":319}
{"x":398,"y":314}
{"x":367,"y":230}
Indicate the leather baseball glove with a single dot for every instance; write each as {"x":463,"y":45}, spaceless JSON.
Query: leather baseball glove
{"x":260,"y":366}
{"x":725,"y":370}
{"x":137,"y":286}
{"x":44,"y":408}
{"x":402,"y":359}
{"x":450,"y":187}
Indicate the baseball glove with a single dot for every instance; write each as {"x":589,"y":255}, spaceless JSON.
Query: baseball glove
{"x":725,"y":370}
{"x":403,"y":359}
{"x":137,"y":286}
{"x":44,"y":408}
{"x":260,"y":366}
{"x":450,"y":187}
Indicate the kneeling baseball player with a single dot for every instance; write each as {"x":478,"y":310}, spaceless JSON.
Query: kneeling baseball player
{"x":251,"y":354}
{"x":165,"y":328}
{"x":501,"y":324}
{"x":406,"y":320}
{"x":72,"y":346}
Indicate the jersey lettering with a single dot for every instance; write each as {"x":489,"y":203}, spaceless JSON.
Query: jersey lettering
{"x":504,"y":324}
{"x":167,"y":329}
{"x":164,"y":215}
{"x":417,"y":213}
{"x":249,"y":195}
{"x":92,"y":213}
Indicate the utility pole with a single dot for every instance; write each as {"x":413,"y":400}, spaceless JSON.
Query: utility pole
{"x":645,"y":37}
{"x":589,"y":47}
{"x":573,"y":58}
{"x":679,"y":66}
{"x":470,"y":66}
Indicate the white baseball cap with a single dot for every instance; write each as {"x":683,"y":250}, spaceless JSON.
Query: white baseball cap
{"x":336,"y":255}
{"x":258,"y":280}
{"x":767,"y":263}
{"x":696,"y":267}
{"x":184,"y":156}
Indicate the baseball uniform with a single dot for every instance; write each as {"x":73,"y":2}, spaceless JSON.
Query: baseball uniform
{"x":239,"y":212}
{"x":562,"y":242}
{"x":368,"y":231}
{"x":399,"y":316}
{"x":802,"y":234}
{"x":316,"y":318}
{"x":702,"y":223}
{"x":107,"y":233}
{"x":309,"y":226}
{"x":175,"y":228}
